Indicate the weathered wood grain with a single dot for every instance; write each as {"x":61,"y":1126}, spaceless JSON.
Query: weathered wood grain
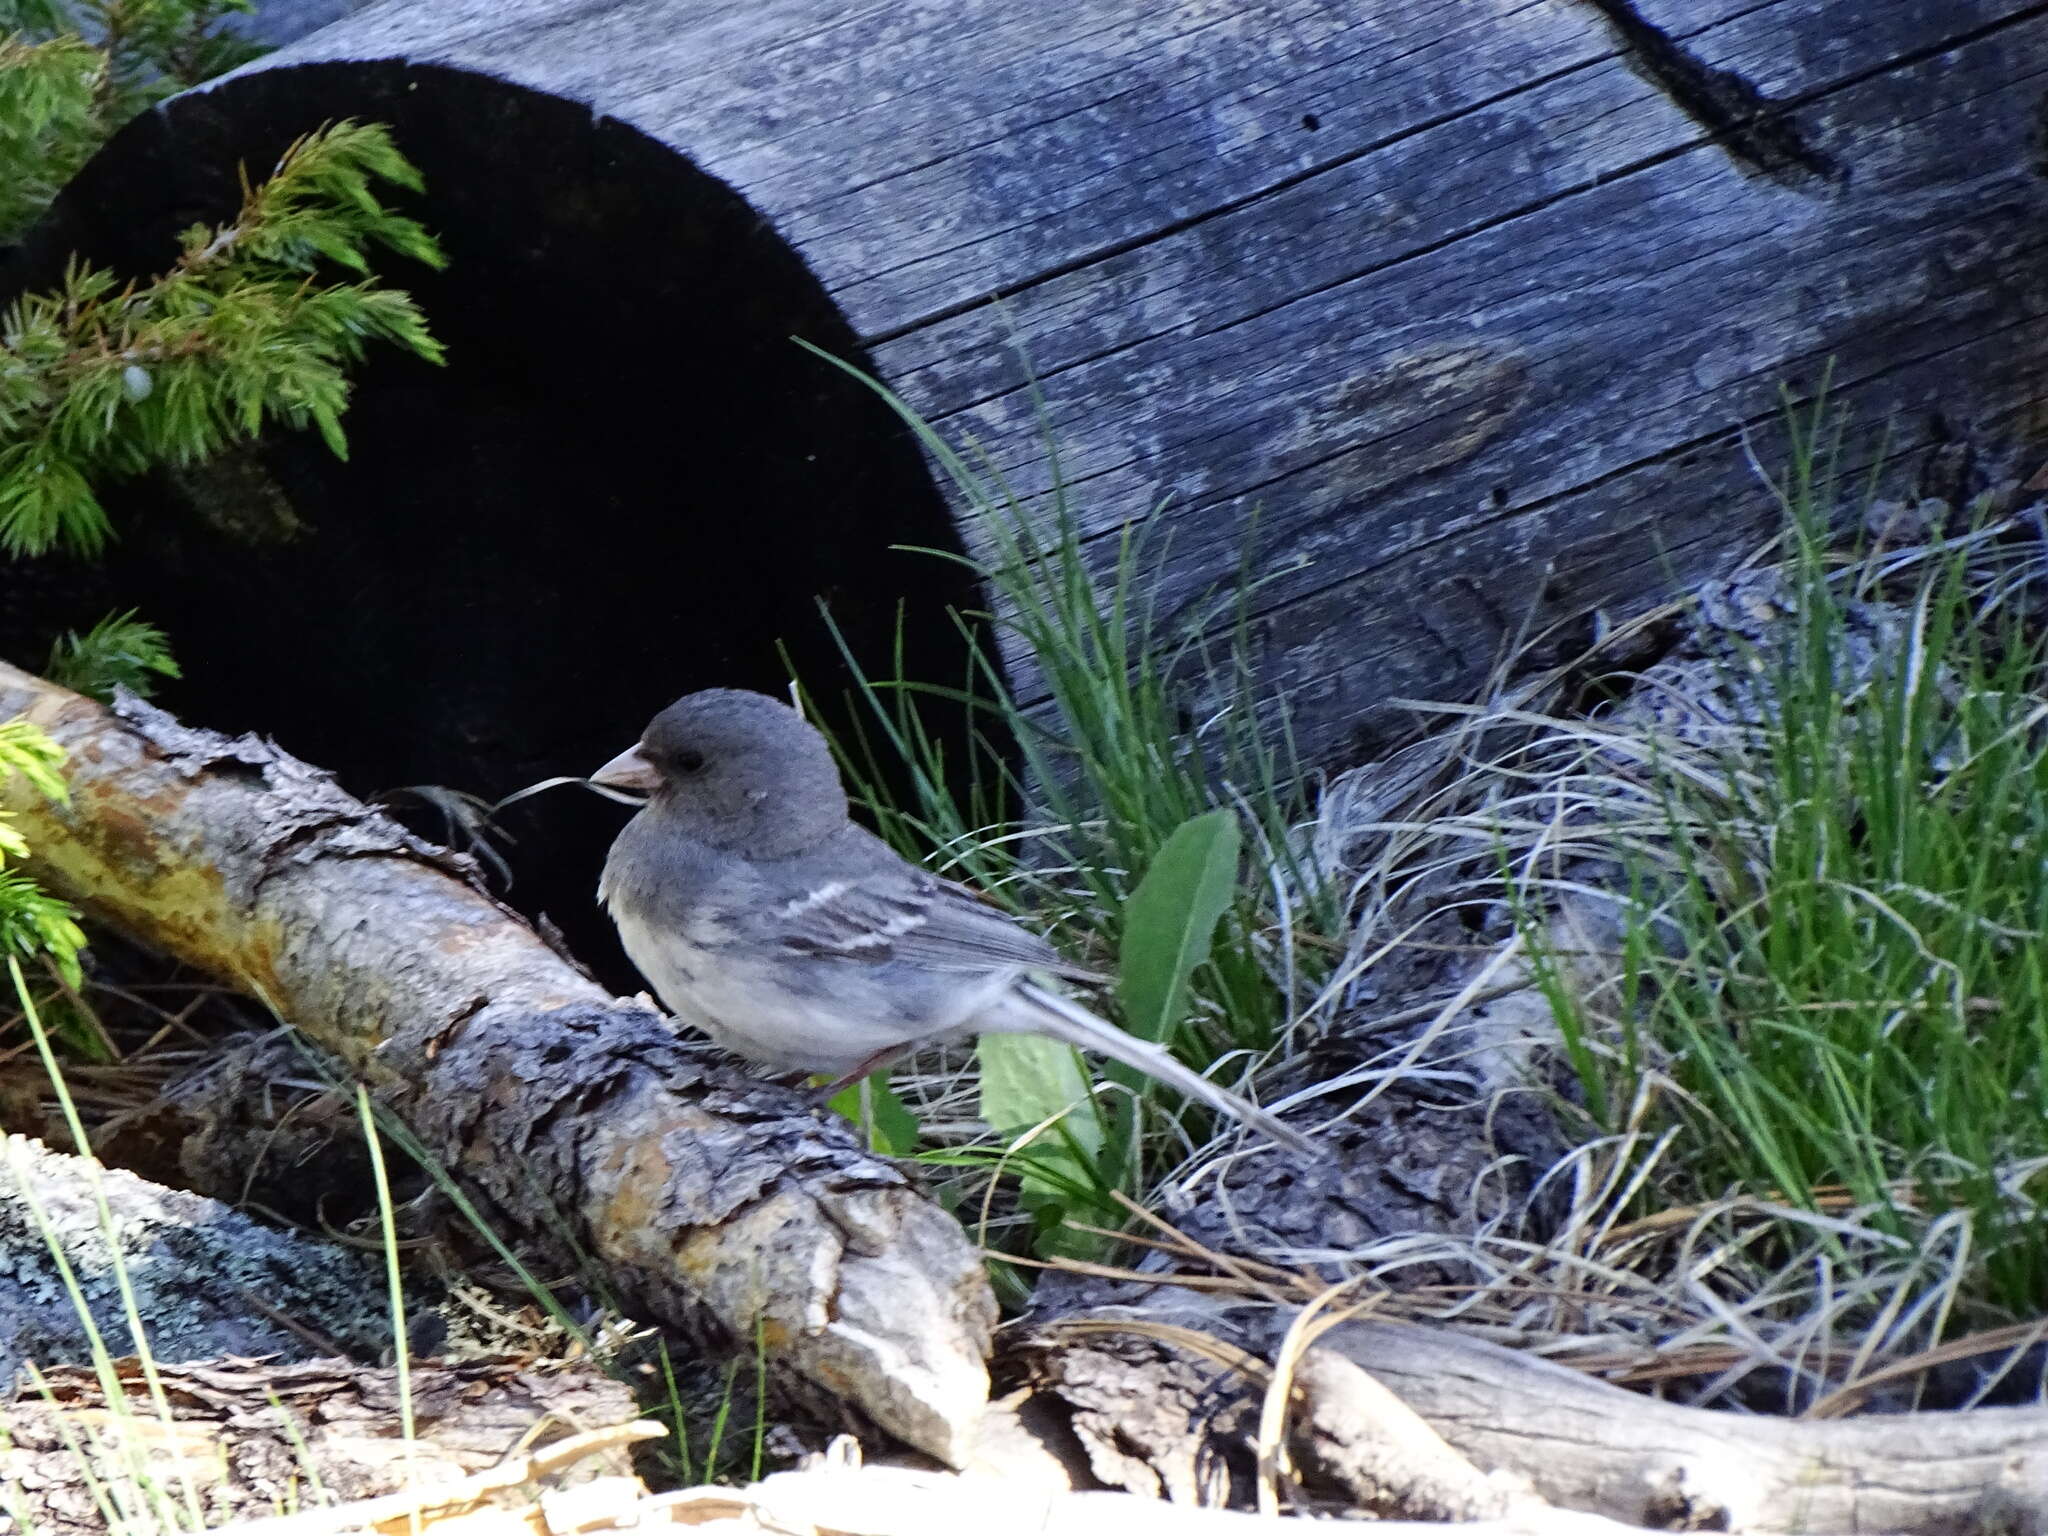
{"x":1485,"y":408}
{"x":1472,"y":303}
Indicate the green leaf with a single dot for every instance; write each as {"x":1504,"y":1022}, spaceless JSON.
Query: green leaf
{"x":872,"y":1104}
{"x":1170,"y":921}
{"x":1035,"y":1092}
{"x":1027,"y":1080}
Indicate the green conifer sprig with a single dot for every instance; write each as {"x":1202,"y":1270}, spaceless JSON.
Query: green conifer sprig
{"x":50,"y":121}
{"x":32,"y":16}
{"x":121,"y":651}
{"x":72,"y":73}
{"x":98,"y":379}
{"x":32,"y":922}
{"x":158,"y":47}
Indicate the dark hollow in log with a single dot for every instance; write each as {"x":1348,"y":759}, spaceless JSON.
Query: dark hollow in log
{"x":627,"y":482}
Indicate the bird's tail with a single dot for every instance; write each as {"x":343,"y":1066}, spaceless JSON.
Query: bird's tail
{"x":1036,"y":1011}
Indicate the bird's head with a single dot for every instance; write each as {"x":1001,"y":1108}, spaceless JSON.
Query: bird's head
{"x":737,"y":770}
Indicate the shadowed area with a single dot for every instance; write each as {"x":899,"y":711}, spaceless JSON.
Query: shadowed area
{"x":628,"y":481}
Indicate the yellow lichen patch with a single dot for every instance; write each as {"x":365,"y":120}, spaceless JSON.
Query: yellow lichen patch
{"x":102,"y":855}
{"x":66,"y":717}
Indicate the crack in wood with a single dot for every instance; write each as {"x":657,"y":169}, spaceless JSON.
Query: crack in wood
{"x":1755,"y":130}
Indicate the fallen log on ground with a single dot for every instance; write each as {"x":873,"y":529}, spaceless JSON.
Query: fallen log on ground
{"x":1473,"y":307}
{"x":1663,"y":1464}
{"x":239,"y":1439}
{"x":712,"y":1202}
{"x":708,"y":1196}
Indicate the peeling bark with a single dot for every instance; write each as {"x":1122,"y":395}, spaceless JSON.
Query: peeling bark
{"x":713,"y":1202}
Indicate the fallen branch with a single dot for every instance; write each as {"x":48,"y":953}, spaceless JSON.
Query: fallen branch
{"x":1379,"y":1450}
{"x":1582,"y":1442}
{"x":1458,"y":1428}
{"x":711,"y":1202}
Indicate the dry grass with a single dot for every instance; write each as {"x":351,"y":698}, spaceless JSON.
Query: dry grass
{"x":1547,"y":837}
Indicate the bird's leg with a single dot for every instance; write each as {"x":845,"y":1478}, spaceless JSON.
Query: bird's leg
{"x":887,"y":1056}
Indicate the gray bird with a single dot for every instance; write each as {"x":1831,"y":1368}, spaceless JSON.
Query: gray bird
{"x":764,"y":916}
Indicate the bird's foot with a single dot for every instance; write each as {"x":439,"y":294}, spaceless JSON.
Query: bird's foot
{"x":873,"y":1064}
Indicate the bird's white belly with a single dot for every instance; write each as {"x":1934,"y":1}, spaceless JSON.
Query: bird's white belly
{"x":747,"y":1013}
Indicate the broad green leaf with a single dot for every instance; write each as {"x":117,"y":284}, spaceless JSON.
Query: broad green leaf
{"x":1027,"y":1083}
{"x":1026,"y":1080}
{"x":1170,"y":921}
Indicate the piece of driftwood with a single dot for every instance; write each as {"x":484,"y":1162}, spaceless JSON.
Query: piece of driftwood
{"x":251,"y":1439}
{"x":1471,"y":302}
{"x":893,"y":1501}
{"x":838,"y":1501}
{"x":1578,"y":1443}
{"x":1584,"y":1443}
{"x":205,"y":1280}
{"x":704,"y":1196}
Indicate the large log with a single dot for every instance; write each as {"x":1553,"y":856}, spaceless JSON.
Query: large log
{"x":1471,"y":301}
{"x":709,"y":1200}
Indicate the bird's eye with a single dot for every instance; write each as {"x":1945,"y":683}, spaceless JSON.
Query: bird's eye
{"x":686,"y":763}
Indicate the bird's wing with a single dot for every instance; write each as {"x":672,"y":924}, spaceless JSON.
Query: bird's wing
{"x":905,"y":914}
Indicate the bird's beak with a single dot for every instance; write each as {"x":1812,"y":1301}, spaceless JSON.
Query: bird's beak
{"x":629,"y":770}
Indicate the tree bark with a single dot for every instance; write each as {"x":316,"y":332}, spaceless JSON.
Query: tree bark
{"x":206,"y":1280}
{"x":704,"y":1196}
{"x":250,"y":1438}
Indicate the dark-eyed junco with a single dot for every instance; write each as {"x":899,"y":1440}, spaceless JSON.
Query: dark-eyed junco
{"x":764,"y":916}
